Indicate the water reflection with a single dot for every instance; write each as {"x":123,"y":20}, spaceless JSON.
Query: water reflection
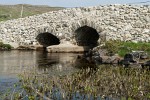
{"x":84,"y":63}
{"x":56,"y":63}
{"x":15,"y":62}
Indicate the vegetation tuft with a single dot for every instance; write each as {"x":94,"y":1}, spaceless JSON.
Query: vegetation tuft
{"x":5,"y":46}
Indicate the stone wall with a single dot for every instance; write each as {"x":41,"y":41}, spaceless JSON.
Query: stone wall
{"x":124,"y":22}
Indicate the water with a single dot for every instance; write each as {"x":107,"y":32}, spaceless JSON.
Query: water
{"x":13,"y":63}
{"x":106,"y":77}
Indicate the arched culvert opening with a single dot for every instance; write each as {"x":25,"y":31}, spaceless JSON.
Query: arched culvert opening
{"x":47,"y":39}
{"x":87,"y":37}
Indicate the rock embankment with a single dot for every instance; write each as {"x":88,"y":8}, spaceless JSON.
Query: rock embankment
{"x":124,"y":22}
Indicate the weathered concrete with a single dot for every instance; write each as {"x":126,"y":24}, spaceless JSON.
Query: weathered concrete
{"x":124,"y":22}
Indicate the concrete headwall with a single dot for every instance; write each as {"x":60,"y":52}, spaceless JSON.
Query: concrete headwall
{"x":124,"y":22}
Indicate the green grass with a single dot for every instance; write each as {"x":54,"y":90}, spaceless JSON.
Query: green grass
{"x":129,"y":46}
{"x":8,"y":12}
{"x":120,"y":47}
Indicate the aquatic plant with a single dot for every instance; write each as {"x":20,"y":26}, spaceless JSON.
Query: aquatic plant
{"x":105,"y":82}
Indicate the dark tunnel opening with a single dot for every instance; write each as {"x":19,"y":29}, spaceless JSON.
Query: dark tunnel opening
{"x":47,"y":39}
{"x":87,"y":37}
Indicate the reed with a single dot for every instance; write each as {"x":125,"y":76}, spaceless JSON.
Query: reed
{"x":105,"y":82}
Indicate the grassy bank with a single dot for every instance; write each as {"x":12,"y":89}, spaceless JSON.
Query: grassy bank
{"x":120,"y":47}
{"x":8,"y":12}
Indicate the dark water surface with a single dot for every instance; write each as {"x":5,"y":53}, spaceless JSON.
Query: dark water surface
{"x":14,"y":62}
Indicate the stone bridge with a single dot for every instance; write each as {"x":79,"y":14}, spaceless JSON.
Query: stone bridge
{"x":123,"y":22}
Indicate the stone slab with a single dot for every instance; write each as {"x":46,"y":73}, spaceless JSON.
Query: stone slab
{"x":67,"y":48}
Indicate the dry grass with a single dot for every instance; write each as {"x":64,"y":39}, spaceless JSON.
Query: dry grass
{"x":106,"y":81}
{"x":8,"y":12}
